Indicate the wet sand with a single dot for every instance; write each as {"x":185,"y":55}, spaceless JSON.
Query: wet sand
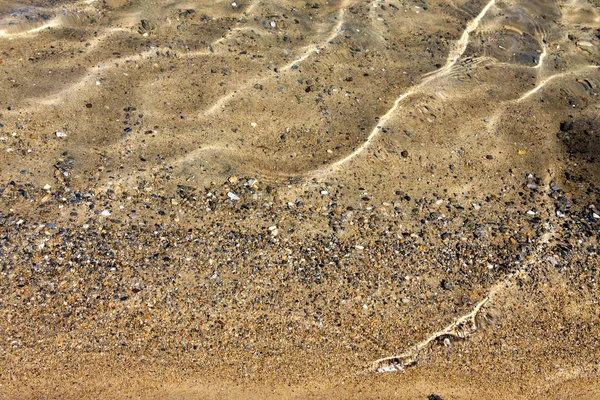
{"x":289,"y":199}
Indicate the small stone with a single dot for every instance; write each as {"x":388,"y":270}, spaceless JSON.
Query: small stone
{"x":253,"y":124}
{"x":324,"y":192}
{"x":405,"y":300}
{"x":233,"y":196}
{"x":446,"y":285}
{"x":233,"y":179}
{"x":47,"y":187}
{"x":273,"y":24}
{"x":596,"y":216}
{"x":60,"y":134}
{"x":434,"y":397}
{"x":105,"y":213}
{"x":489,"y":157}
{"x":359,"y":247}
{"x":566,"y":126}
{"x":404,"y":153}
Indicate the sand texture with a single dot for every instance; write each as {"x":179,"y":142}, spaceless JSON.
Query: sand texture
{"x":289,"y":199}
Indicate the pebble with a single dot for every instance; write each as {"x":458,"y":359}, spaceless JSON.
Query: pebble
{"x":233,"y":196}
{"x":566,"y":126}
{"x":60,"y":134}
{"x":105,"y":213}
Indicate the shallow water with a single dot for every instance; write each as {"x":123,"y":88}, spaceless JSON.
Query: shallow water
{"x":432,"y":117}
{"x":328,"y":73}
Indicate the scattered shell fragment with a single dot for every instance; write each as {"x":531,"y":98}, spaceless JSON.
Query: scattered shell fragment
{"x":513,"y":29}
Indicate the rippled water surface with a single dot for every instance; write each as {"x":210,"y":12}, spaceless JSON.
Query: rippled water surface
{"x":287,"y":88}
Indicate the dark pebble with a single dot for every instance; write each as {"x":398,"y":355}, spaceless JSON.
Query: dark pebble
{"x":444,"y":284}
{"x":566,"y":126}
